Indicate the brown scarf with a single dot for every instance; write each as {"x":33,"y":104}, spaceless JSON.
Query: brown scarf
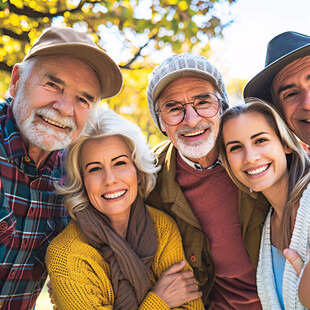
{"x":129,"y":260}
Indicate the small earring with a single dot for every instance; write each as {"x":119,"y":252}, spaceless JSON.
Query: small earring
{"x":250,"y":190}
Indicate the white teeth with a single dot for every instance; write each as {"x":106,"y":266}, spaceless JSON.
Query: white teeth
{"x":195,"y":133}
{"x":114,"y":195}
{"x":258,"y":170}
{"x":48,"y":120}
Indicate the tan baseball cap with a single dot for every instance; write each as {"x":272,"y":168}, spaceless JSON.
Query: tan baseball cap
{"x":68,"y":41}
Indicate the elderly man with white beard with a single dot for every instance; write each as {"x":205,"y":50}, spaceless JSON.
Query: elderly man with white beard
{"x":220,"y":226}
{"x":51,"y":95}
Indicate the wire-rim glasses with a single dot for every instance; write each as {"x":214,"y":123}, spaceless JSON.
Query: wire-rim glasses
{"x":205,"y":105}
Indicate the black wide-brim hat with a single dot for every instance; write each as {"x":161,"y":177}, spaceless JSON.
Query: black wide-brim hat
{"x":282,"y":50}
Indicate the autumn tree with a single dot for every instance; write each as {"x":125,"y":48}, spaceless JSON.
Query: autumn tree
{"x":130,"y":30}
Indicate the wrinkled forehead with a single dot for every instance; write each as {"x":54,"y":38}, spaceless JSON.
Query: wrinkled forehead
{"x":64,"y":66}
{"x":185,"y":87}
{"x":291,"y":70}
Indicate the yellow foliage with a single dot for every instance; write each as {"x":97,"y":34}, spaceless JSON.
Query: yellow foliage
{"x":126,"y":3}
{"x":5,"y":39}
{"x":32,"y":36}
{"x":155,"y":139}
{"x":9,"y":48}
{"x":4,"y":83}
{"x":183,"y":5}
{"x":17,"y":3}
{"x":53,"y":10}
{"x":67,"y":14}
{"x":14,"y":20}
{"x":32,"y":4}
{"x":16,"y":46}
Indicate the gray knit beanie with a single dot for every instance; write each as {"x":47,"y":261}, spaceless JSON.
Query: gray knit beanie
{"x":176,"y":66}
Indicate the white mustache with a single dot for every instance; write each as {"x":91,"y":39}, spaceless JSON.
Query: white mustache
{"x":57,"y":118}
{"x":188,"y":130}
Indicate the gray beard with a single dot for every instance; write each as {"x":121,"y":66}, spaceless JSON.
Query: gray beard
{"x":197,"y":150}
{"x":39,"y":135}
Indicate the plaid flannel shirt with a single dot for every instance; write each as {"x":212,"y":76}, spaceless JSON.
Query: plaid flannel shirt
{"x":30,"y":216}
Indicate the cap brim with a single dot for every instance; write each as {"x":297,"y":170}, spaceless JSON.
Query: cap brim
{"x":260,"y":85}
{"x":110,"y":76}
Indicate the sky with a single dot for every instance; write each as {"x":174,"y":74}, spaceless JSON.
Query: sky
{"x":242,"y":52}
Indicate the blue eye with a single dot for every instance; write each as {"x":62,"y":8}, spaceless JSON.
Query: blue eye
{"x":83,"y":102}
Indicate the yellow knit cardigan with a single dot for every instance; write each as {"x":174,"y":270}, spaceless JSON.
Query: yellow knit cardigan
{"x":80,"y":277}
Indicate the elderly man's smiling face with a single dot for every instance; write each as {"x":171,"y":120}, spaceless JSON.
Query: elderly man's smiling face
{"x":195,"y":136}
{"x":291,"y":87}
{"x":52,"y":101}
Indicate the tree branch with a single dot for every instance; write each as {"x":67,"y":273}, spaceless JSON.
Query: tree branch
{"x":138,"y":53}
{"x":35,"y":14}
{"x":5,"y":67}
{"x":21,"y":37}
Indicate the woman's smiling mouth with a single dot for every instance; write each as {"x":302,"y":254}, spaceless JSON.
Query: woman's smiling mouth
{"x":114,"y":195}
{"x":257,"y":170}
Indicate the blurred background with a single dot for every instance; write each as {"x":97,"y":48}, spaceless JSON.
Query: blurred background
{"x":140,"y":34}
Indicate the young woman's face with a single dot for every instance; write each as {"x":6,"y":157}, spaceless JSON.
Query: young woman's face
{"x":110,"y":176}
{"x":255,"y":153}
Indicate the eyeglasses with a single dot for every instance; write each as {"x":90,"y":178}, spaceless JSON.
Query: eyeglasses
{"x":205,"y":105}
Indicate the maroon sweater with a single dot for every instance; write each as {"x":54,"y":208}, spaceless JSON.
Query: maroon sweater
{"x":213,"y":198}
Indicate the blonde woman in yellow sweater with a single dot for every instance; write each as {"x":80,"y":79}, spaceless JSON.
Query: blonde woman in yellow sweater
{"x":116,"y":253}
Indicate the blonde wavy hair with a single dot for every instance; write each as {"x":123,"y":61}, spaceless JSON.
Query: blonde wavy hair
{"x":101,"y":124}
{"x":298,"y":162}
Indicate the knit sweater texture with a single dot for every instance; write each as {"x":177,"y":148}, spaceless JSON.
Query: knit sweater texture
{"x":300,"y":242}
{"x":80,"y":276}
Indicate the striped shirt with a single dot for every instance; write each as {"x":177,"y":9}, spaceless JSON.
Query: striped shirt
{"x":30,"y":216}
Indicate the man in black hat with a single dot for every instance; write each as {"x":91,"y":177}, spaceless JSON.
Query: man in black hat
{"x":285,"y":81}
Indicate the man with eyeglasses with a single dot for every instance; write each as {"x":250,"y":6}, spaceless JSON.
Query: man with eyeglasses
{"x":220,"y":226}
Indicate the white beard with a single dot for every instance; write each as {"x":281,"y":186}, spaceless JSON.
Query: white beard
{"x":196,"y":149}
{"x":41,"y":135}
